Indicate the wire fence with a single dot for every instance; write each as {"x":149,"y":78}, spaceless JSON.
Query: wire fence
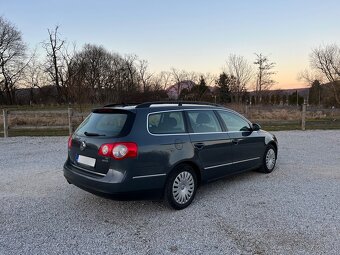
{"x":40,"y":122}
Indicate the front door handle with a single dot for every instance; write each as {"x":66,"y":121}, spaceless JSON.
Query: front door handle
{"x":199,"y":145}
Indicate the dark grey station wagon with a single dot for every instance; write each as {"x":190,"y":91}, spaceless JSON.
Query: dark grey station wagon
{"x":164,"y":149}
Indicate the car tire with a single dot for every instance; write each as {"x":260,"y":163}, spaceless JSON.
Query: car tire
{"x":181,"y":187}
{"x":269,"y":159}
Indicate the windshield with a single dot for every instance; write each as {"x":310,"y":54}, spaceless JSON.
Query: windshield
{"x":103,"y":124}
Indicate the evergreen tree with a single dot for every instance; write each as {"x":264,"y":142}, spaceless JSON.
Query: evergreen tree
{"x":197,"y":92}
{"x":292,"y":99}
{"x":202,"y":88}
{"x":224,"y":88}
{"x":315,"y":93}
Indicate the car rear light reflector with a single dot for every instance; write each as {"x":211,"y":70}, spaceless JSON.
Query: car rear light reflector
{"x":119,"y":150}
{"x":105,"y":150}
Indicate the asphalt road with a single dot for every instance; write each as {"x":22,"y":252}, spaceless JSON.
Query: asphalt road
{"x":294,"y":210}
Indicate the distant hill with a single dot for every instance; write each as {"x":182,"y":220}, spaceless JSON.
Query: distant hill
{"x":301,"y":91}
{"x":174,"y":90}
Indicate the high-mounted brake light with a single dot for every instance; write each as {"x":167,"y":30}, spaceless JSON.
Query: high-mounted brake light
{"x":119,"y":150}
{"x":69,"y":143}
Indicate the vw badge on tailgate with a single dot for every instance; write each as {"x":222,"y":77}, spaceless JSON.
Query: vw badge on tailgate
{"x":82,"y":145}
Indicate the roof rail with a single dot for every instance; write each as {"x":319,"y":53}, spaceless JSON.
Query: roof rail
{"x":119,"y":104}
{"x":179,"y":103}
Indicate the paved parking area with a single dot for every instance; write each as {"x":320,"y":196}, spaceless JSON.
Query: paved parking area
{"x":294,"y":210}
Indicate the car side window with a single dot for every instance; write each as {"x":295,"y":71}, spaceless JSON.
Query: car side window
{"x":166,"y":123}
{"x":234,"y":122}
{"x":204,"y":121}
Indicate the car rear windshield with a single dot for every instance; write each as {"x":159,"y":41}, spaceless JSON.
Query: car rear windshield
{"x":106,"y":123}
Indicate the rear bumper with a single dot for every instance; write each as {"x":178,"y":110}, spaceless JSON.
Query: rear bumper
{"x":116,"y":187}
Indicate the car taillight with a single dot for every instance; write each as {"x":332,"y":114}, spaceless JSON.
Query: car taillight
{"x":119,"y":151}
{"x":69,"y":143}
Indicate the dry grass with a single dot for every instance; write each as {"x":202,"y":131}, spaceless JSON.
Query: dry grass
{"x":277,"y":114}
{"x":283,"y":112}
{"x":42,"y":119}
{"x":38,"y":120}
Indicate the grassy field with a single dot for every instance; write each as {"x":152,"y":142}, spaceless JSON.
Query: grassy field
{"x":37,"y":132}
{"x":80,"y":108}
{"x":30,"y":118}
{"x":311,"y":124}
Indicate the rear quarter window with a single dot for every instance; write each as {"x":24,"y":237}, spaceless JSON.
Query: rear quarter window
{"x":166,"y":123}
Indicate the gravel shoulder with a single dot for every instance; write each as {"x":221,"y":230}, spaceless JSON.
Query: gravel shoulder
{"x":294,"y":210}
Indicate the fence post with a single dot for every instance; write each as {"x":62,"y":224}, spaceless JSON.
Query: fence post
{"x":246,"y":110}
{"x":70,"y":113}
{"x":5,"y":119}
{"x":303,"y":115}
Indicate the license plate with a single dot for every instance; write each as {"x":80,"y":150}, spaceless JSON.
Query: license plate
{"x":86,"y":160}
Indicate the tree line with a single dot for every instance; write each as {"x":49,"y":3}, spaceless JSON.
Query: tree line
{"x":323,"y":75}
{"x":92,"y":74}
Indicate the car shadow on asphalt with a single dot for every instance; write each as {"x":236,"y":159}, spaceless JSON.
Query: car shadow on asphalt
{"x":90,"y":203}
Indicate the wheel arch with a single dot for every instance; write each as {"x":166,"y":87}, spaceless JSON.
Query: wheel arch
{"x":168,"y":187}
{"x":274,"y":145}
{"x":195,"y":167}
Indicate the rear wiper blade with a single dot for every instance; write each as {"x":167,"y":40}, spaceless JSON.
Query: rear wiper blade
{"x":92,"y":134}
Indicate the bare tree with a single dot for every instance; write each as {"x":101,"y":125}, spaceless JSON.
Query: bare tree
{"x":192,"y":76}
{"x":34,"y":77}
{"x":264,"y":73}
{"x":326,"y":59}
{"x":309,"y":77}
{"x":178,"y":77}
{"x":130,"y":68}
{"x":13,"y":59}
{"x":55,"y":65}
{"x":210,"y":79}
{"x":144,"y":75}
{"x":77,"y":81}
{"x":106,"y":76}
{"x":160,"y":81}
{"x":165,"y":79}
{"x":239,"y":67}
{"x":90,"y":70}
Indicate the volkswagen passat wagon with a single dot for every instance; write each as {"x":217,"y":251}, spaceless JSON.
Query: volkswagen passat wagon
{"x":164,"y":149}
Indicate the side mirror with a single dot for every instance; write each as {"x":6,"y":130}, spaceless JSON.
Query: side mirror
{"x":256,"y":127}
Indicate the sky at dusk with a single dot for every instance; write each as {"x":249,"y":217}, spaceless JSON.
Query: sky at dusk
{"x":192,"y":35}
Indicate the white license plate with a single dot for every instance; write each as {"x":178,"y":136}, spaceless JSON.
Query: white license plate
{"x":86,"y":160}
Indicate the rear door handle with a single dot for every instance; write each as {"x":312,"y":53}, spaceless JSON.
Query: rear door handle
{"x":235,"y":141}
{"x":199,"y":145}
